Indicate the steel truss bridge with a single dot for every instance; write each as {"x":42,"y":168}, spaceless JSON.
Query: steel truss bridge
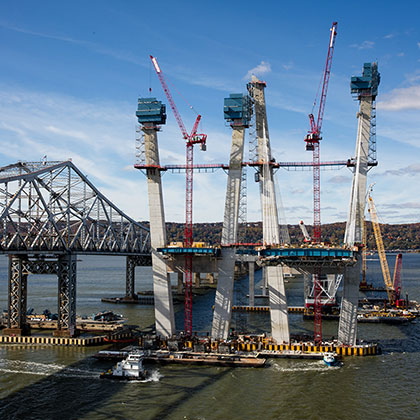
{"x":50,"y":213}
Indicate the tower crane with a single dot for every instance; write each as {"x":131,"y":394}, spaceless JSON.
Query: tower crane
{"x":190,"y":140}
{"x":312,"y":144}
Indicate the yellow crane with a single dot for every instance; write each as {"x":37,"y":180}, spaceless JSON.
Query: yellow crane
{"x":381,"y":250}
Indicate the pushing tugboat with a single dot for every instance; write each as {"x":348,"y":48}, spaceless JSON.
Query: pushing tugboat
{"x":129,"y":369}
{"x":330,"y":359}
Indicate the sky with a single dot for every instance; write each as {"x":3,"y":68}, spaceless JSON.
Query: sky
{"x":72,"y":72}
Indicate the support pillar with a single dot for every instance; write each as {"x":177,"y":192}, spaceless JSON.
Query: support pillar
{"x":278,"y":305}
{"x":164,"y":312}
{"x":251,"y":270}
{"x":197,"y":280}
{"x":17,"y":299}
{"x":347,"y":327}
{"x":210,"y":278}
{"x":66,"y":324}
{"x":224,"y":296}
{"x":130,"y":273}
{"x":273,"y":276}
{"x":180,"y":285}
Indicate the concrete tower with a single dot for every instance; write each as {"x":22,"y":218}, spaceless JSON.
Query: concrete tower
{"x":150,"y":113}
{"x":366,"y":89}
{"x":237,"y":109}
{"x":271,"y":232}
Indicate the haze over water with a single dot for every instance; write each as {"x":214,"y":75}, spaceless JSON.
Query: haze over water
{"x":58,"y":382}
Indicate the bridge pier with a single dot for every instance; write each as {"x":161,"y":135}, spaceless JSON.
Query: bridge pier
{"x":17,"y":299}
{"x":20,"y":266}
{"x":130,"y":274}
{"x":66,"y":325}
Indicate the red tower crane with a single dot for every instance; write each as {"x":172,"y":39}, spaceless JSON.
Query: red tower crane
{"x":312,"y":143}
{"x":190,"y":140}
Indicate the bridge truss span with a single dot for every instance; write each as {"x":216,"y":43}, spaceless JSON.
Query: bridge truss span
{"x":51,"y":207}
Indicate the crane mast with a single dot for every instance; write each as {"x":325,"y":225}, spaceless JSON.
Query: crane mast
{"x":312,"y":144}
{"x":190,"y":140}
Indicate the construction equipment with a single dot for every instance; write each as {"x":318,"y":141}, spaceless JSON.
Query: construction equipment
{"x":381,"y":250}
{"x":312,"y":143}
{"x":306,"y":236}
{"x":397,"y":278}
{"x":190,"y":139}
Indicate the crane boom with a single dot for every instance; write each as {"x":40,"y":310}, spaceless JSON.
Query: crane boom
{"x":381,"y":250}
{"x":327,"y":73}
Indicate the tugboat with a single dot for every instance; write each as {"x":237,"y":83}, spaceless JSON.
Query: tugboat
{"x":129,"y":369}
{"x":330,"y":359}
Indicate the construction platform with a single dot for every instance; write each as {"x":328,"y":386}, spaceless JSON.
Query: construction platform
{"x":208,"y":251}
{"x":323,"y":252}
{"x":62,"y":341}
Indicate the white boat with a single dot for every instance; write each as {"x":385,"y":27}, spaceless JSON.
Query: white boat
{"x":330,"y":359}
{"x":130,"y":368}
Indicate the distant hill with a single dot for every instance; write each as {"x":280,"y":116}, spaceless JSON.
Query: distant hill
{"x":404,"y":236}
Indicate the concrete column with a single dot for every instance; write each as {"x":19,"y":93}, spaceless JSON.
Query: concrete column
{"x":273,"y":276}
{"x":355,"y":221}
{"x":197,"y":280}
{"x":66,"y":324}
{"x":264,"y":289}
{"x":233,"y":189}
{"x":251,"y":270}
{"x":180,"y":285}
{"x":210,"y":278}
{"x":347,"y":328}
{"x":224,"y":295}
{"x":278,"y":305}
{"x":164,"y":313}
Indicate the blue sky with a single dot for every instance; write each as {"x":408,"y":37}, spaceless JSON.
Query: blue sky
{"x":72,"y":72}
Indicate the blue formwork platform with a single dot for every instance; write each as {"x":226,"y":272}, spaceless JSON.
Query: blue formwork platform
{"x":150,"y":110}
{"x":191,"y":251}
{"x":237,"y":107}
{"x":367,"y":83}
{"x":307,"y":252}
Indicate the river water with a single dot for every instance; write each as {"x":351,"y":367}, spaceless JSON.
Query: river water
{"x":42,"y":382}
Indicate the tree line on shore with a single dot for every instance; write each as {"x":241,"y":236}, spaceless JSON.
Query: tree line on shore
{"x":402,"y":236}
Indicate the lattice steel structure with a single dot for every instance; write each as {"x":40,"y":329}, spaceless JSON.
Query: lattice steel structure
{"x":52,"y":207}
{"x":50,"y":213}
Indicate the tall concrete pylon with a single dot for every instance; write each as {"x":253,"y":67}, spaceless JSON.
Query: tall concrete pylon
{"x":366,"y":89}
{"x":271,"y":232}
{"x":149,"y":114}
{"x":236,"y":110}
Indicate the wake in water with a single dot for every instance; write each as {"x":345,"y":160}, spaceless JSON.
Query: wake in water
{"x":303,"y":366}
{"x":153,"y":376}
{"x":45,"y":369}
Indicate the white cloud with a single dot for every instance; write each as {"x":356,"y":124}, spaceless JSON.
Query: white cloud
{"x":262,"y":68}
{"x":401,"y":99}
{"x":365,"y":45}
